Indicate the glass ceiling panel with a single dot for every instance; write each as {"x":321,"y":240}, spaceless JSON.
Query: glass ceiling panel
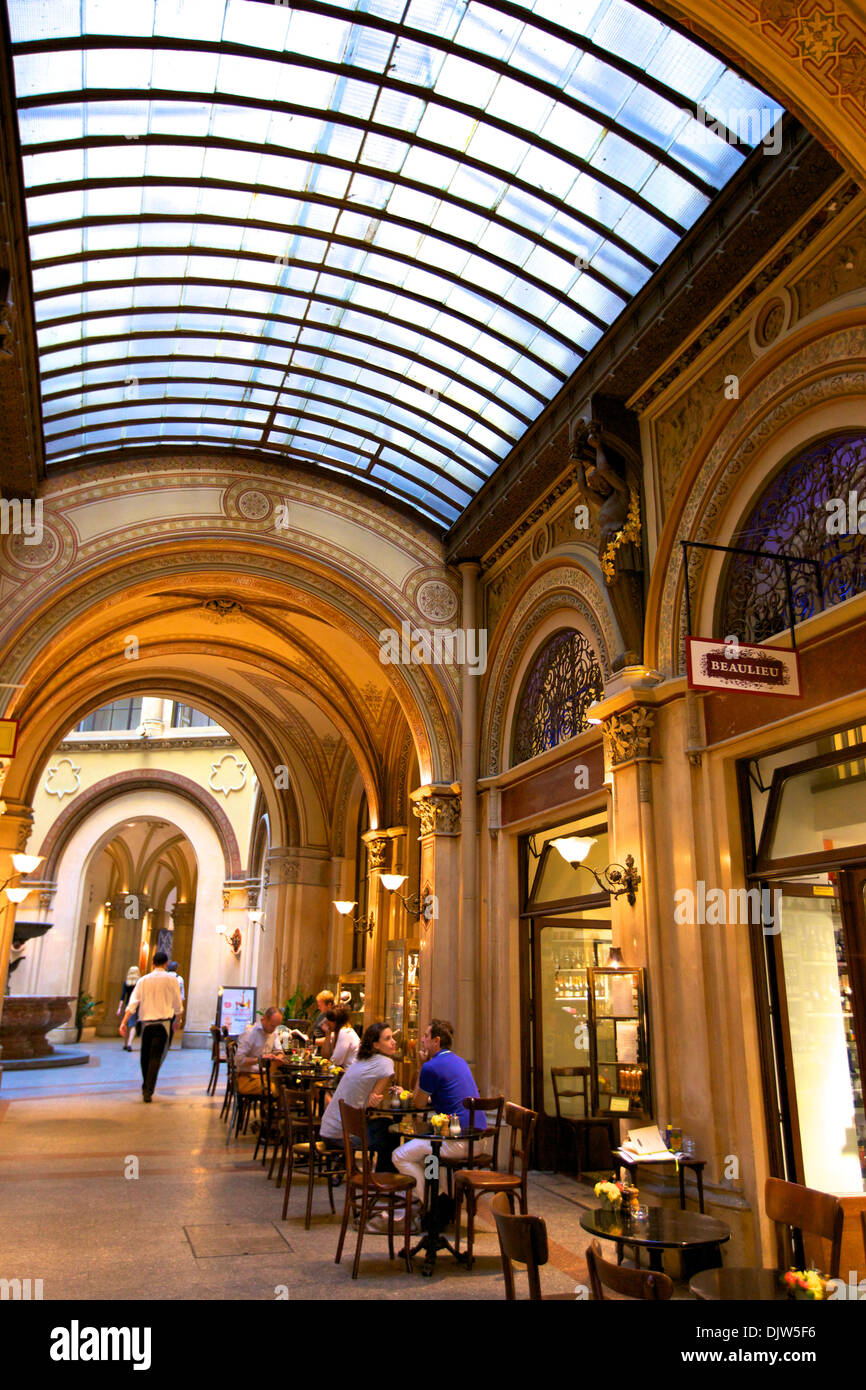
{"x":375,"y":209}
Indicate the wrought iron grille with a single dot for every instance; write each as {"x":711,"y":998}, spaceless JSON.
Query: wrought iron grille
{"x":792,"y":516}
{"x":562,"y":683}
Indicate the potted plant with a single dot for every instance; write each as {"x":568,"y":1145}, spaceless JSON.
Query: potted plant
{"x":83,"y":1009}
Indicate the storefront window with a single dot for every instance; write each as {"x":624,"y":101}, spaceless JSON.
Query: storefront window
{"x":807,"y":847}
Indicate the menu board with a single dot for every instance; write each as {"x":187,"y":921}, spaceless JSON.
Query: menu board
{"x":236,"y":1008}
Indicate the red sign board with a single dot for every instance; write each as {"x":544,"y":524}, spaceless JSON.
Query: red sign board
{"x":720,"y":665}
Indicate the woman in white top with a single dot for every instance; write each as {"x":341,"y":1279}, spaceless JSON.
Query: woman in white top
{"x":342,"y":1042}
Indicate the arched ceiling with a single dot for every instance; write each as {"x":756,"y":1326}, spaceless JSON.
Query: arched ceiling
{"x":376,"y":235}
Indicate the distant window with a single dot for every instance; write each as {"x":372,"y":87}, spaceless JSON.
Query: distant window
{"x":119,"y":716}
{"x":806,"y":512}
{"x":562,"y":683}
{"x":185,"y":717}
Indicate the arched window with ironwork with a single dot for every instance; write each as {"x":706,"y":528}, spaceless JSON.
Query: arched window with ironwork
{"x":560,"y":685}
{"x":806,"y":512}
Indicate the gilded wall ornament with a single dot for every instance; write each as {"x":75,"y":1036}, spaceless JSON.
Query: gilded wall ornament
{"x":439,"y":815}
{"x":377,"y":853}
{"x":628,"y":736}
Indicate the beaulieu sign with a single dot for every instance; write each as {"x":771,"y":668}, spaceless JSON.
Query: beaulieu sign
{"x":732,"y":666}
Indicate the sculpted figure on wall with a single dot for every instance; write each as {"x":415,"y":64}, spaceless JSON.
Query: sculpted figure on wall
{"x":614,"y":505}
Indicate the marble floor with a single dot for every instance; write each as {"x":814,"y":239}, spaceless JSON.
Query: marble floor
{"x":103,"y":1197}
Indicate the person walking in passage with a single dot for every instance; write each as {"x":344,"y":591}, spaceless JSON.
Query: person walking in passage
{"x":160,"y":1009}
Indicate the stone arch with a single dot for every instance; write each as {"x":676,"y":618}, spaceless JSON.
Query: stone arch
{"x":564,"y":596}
{"x":819,"y":387}
{"x":156,"y":779}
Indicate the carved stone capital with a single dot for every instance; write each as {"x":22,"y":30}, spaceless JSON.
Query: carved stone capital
{"x":377,"y":850}
{"x":628,"y":736}
{"x":438,"y":811}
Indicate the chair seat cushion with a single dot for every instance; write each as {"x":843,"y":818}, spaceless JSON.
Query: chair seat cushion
{"x":305,"y":1148}
{"x":491,"y":1181}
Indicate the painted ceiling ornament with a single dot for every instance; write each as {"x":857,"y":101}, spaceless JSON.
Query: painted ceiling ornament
{"x":628,"y":736}
{"x":63,"y":779}
{"x":437,"y":601}
{"x":219,"y":608}
{"x":374,"y":697}
{"x":254,"y":505}
{"x":818,"y":35}
{"x":228,"y":774}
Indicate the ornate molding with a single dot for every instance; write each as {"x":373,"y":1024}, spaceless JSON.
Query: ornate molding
{"x":377,"y":850}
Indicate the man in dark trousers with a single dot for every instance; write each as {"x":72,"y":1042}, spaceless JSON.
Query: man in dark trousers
{"x":160,"y":1010}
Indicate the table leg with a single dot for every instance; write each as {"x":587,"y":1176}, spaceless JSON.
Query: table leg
{"x":699,"y":1174}
{"x":682,"y":1177}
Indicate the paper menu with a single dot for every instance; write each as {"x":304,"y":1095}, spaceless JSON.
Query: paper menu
{"x":646,"y":1143}
{"x":626,"y":1041}
{"x":622,"y":995}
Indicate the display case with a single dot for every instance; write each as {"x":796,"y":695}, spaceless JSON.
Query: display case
{"x":354,"y":985}
{"x":401,"y":996}
{"x":619,"y":1042}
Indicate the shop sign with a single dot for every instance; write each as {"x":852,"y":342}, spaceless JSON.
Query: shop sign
{"x":729,"y":665}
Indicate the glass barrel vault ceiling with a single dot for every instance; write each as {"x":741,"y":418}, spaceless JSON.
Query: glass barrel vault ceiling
{"x":375,"y":235}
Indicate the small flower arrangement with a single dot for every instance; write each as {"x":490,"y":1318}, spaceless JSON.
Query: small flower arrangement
{"x":609,"y":1192}
{"x":440,"y":1121}
{"x":405,"y":1097}
{"x":806,"y":1284}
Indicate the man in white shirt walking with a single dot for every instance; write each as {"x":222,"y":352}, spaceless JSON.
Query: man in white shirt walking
{"x":160,"y":1010}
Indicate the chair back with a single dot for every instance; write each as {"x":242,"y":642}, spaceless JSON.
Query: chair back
{"x":522,"y":1123}
{"x":521,"y":1238}
{"x":216,"y":1039}
{"x":354,"y":1137}
{"x":231,"y":1061}
{"x":294,"y":1107}
{"x":810,"y":1212}
{"x":632,"y":1283}
{"x":580,"y":1091}
{"x":491,"y":1107}
{"x":265,"y":1076}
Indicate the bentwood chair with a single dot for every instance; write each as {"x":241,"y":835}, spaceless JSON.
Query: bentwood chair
{"x":491,"y":1107}
{"x":231,"y":1051}
{"x":578,"y":1125}
{"x":242,"y":1103}
{"x":631,"y":1283}
{"x":304,"y":1149}
{"x":217,"y":1057}
{"x":811,"y":1213}
{"x":472,"y":1184}
{"x":522,"y":1238}
{"x":366,"y":1189}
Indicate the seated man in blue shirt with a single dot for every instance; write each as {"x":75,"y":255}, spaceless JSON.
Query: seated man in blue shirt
{"x":444,"y":1082}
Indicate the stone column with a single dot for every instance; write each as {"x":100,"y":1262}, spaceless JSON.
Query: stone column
{"x":298,"y":909}
{"x":377,"y":843}
{"x":438,"y":810}
{"x":468,"y":942}
{"x":15,"y":826}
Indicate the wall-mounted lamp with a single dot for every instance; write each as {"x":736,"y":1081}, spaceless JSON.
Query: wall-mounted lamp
{"x":256,"y":916}
{"x":22,"y":864}
{"x":366,"y":926}
{"x":616,"y":879}
{"x":420,"y":904}
{"x":235,"y":941}
{"x":614,"y":959}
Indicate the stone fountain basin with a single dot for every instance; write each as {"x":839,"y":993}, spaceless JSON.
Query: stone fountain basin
{"x":26,"y":1019}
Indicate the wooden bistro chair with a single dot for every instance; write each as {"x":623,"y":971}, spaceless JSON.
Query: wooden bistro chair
{"x":522,"y":1238}
{"x":473,"y":1183}
{"x":632,"y":1283}
{"x":242,"y":1103}
{"x":492,"y":1108}
{"x":304,"y":1149}
{"x":578,"y":1125}
{"x":810,"y":1212}
{"x":217,"y":1057}
{"x":231,"y":1052}
{"x":370,"y":1189}
{"x":268,"y":1122}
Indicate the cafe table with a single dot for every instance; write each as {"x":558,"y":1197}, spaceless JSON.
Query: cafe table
{"x":696,"y":1237}
{"x":433,"y":1240}
{"x":683,"y":1161}
{"x":745,"y":1285}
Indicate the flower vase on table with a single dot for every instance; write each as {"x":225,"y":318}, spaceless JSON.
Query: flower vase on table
{"x":609,"y":1194}
{"x":806,"y":1284}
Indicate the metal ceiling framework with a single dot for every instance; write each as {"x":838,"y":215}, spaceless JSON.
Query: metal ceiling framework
{"x":322,"y":231}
